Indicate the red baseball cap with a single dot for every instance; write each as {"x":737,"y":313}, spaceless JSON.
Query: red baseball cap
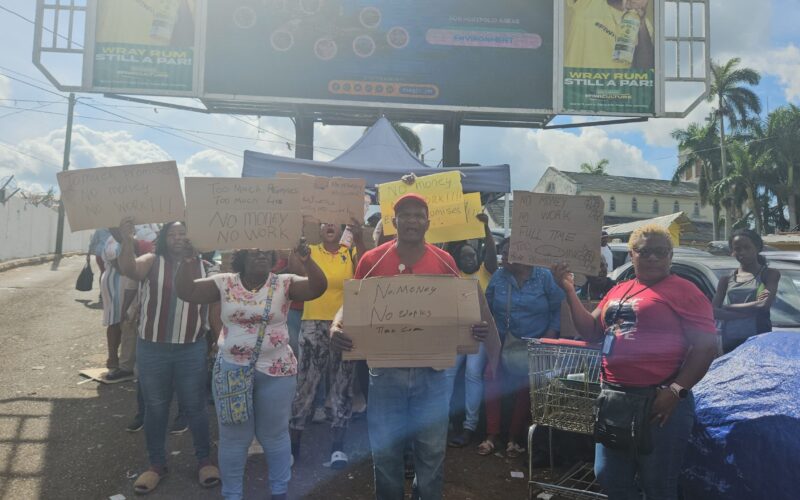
{"x":411,"y":197}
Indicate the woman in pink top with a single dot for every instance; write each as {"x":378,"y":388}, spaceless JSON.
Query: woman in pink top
{"x":659,"y":339}
{"x":243,"y":296}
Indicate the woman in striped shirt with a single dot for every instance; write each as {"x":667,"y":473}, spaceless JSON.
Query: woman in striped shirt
{"x":171,"y":349}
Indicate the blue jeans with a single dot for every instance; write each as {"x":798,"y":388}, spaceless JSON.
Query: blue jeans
{"x":657,"y":472}
{"x":473,"y":385}
{"x":272,"y":407}
{"x":408,"y":404}
{"x":166,"y":368}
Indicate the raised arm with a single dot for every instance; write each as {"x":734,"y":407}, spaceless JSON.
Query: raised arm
{"x":586,"y":323}
{"x":315,"y":284}
{"x":130,"y":266}
{"x":358,"y":240}
{"x":489,"y":248}
{"x":189,"y":285}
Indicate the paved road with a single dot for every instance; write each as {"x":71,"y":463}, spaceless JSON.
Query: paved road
{"x":63,"y":439}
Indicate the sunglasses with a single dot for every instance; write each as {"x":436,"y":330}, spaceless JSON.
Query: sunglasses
{"x":659,"y":252}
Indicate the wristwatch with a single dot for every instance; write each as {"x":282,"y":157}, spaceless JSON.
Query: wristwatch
{"x":678,"y":390}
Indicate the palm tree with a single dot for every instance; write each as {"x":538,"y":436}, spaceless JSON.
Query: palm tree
{"x":698,"y":145}
{"x":783,"y":131}
{"x":734,"y":102}
{"x":597,"y":169}
{"x":750,"y":167}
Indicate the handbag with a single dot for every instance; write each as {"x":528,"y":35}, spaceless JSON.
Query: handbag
{"x":514,"y":354}
{"x":233,"y":389}
{"x":622,"y":418}
{"x":85,"y":278}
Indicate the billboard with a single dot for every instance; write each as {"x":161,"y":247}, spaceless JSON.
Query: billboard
{"x":467,"y":53}
{"x":500,"y":60}
{"x":144,"y":45}
{"x":609,"y":56}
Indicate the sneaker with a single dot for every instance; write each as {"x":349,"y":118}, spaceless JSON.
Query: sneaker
{"x":320,"y":416}
{"x":179,"y":426}
{"x":338,"y":460}
{"x":136,"y":425}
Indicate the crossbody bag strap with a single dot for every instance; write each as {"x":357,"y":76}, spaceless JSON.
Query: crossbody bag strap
{"x":264,"y":320}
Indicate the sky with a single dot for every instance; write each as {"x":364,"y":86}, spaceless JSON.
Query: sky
{"x":111,"y":132}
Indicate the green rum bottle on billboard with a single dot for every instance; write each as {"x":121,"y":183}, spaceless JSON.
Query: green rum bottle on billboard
{"x":165,"y":17}
{"x":627,"y":38}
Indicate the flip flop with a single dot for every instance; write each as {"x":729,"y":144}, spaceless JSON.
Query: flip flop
{"x":208,"y":476}
{"x":486,"y":448}
{"x":338,"y":460}
{"x":513,"y":450}
{"x":147,"y":481}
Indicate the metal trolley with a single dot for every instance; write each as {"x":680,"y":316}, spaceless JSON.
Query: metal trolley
{"x":564,"y":384}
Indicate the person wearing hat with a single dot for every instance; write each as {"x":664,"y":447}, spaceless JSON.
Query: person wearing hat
{"x":406,"y":403}
{"x":605,"y":252}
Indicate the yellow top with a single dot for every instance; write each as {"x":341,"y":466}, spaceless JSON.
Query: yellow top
{"x":591,"y":33}
{"x":482,"y":275}
{"x":337,"y":267}
{"x":146,"y":22}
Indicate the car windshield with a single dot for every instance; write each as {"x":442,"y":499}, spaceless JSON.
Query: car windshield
{"x":785,"y":311}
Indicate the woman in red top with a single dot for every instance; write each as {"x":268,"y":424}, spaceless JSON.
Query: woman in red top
{"x":659,"y":339}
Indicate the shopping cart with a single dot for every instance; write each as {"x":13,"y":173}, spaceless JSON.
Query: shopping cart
{"x":564,"y":384}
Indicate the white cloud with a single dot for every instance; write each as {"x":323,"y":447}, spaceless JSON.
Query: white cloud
{"x":37,"y":160}
{"x":210,"y":163}
{"x":785,"y":65}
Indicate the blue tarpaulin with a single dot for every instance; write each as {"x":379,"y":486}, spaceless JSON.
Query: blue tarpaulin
{"x":746,"y":440}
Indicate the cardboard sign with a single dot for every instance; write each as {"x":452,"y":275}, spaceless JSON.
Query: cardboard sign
{"x":334,"y":200}
{"x":472,"y":229}
{"x":568,"y":330}
{"x":97,"y":198}
{"x":492,"y":343}
{"x":408,"y":321}
{"x":225,"y":214}
{"x":553,"y":228}
{"x":442,"y":191}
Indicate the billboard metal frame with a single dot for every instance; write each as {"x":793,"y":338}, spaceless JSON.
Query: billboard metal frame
{"x":358,"y":112}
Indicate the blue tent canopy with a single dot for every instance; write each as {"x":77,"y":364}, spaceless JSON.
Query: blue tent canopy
{"x":379,"y":156}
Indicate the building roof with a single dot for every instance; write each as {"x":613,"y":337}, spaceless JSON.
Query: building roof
{"x":496,"y":210}
{"x":620,"y":184}
{"x":664,"y":221}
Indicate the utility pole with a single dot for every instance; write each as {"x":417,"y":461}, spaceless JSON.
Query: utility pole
{"x":64,"y":168}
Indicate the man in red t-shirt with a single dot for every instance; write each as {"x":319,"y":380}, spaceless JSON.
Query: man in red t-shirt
{"x":406,"y":403}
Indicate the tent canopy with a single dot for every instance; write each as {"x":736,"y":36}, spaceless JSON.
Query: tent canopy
{"x":379,"y":156}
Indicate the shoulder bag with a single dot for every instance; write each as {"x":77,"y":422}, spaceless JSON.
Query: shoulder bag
{"x":233,"y":389}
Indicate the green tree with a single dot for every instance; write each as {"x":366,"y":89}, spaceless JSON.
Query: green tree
{"x":783,"y":132}
{"x":699,"y":147}
{"x":595,"y":169}
{"x":751,"y":168}
{"x":735,"y":102}
{"x":410,"y":137}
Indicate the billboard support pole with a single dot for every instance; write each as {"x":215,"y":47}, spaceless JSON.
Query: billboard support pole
{"x":451,"y":153}
{"x":303,"y":137}
{"x":64,"y":168}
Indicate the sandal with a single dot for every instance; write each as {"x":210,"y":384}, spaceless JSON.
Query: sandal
{"x":513,"y":450}
{"x":208,"y":476}
{"x":486,"y":448}
{"x":148,"y":480}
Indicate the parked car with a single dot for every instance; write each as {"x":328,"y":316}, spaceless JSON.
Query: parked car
{"x":720,"y":247}
{"x":705,"y":273}
{"x":621,"y":256}
{"x":782,"y":256}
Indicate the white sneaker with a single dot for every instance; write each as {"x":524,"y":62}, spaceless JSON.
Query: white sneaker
{"x":338,"y":460}
{"x":320,"y":416}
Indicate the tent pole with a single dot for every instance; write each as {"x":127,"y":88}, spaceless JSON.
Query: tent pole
{"x":451,"y":154}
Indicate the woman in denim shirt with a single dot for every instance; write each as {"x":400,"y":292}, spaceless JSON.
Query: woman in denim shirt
{"x":526,"y":303}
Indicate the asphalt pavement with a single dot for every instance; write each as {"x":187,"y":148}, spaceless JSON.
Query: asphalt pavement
{"x":64,"y":438}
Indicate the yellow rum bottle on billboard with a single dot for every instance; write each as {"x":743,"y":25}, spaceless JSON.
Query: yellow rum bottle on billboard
{"x":627,"y":37}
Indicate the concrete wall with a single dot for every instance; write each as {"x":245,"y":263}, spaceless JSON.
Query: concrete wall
{"x":27,"y":231}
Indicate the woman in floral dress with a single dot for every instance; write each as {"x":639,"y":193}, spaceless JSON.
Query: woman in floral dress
{"x":243,"y":296}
